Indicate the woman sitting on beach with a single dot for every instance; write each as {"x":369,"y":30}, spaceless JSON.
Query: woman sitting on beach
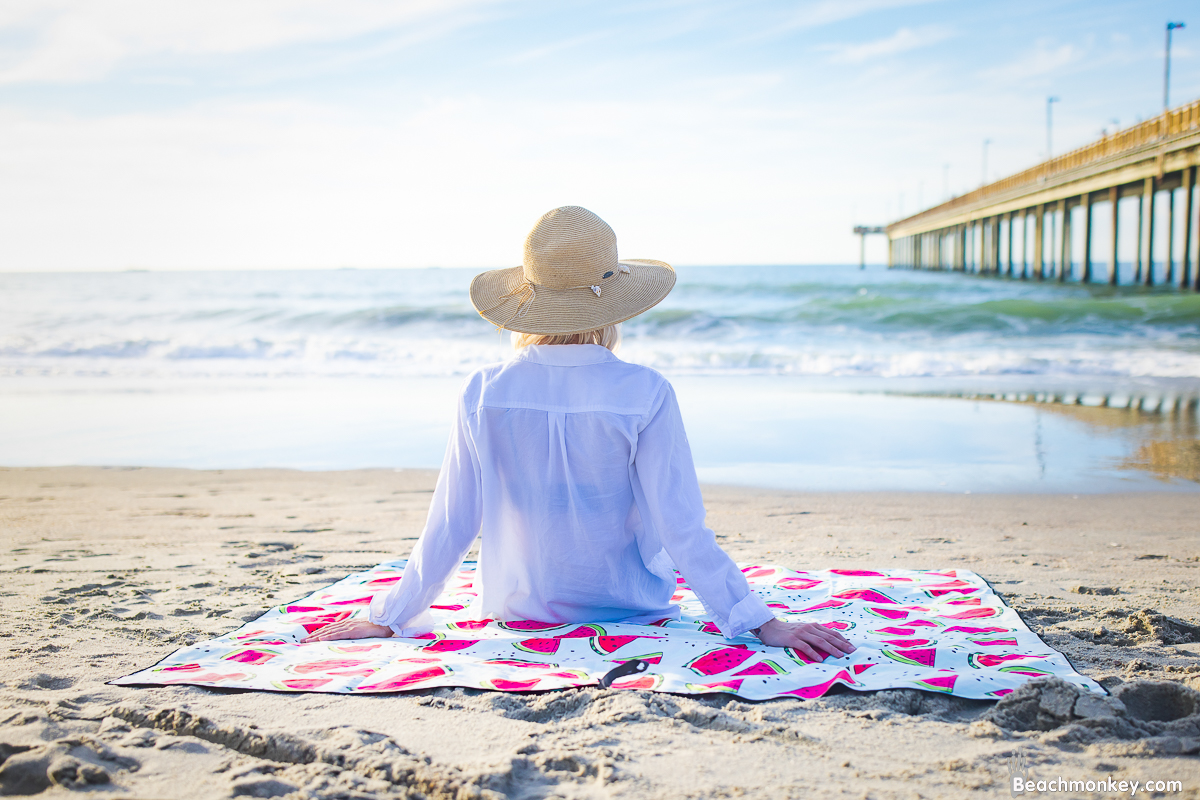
{"x":573,"y":466}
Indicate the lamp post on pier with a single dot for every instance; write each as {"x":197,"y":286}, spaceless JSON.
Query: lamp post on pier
{"x":1167,"y":66}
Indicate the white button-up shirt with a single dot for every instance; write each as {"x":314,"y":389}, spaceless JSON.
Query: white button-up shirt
{"x":574,"y":468}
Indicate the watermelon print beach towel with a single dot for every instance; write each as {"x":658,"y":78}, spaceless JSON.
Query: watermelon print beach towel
{"x":941,"y":631}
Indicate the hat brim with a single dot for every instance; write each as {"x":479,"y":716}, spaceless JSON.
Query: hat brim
{"x":565,"y":311}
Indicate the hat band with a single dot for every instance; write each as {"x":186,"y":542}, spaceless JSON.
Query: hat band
{"x":526,"y":291}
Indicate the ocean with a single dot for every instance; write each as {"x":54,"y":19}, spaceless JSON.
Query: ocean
{"x":818,"y":377}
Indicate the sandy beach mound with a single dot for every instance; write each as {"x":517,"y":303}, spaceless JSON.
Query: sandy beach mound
{"x":108,"y":570}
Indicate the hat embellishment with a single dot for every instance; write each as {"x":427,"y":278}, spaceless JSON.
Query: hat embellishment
{"x":596,"y":289}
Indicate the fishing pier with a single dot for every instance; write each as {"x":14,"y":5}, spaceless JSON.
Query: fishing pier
{"x":1024,"y":226}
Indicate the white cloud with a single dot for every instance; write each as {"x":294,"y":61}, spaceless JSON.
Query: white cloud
{"x":1044,"y":59}
{"x":82,"y":40}
{"x":902,"y":41}
{"x":554,"y":47}
{"x":816,"y":13}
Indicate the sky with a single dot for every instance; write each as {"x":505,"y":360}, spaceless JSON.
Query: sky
{"x":266,"y":134}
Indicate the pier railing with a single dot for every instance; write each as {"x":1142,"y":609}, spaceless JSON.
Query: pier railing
{"x":1151,"y":164}
{"x":1184,"y":119}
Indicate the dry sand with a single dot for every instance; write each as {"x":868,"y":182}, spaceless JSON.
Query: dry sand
{"x":108,"y":570}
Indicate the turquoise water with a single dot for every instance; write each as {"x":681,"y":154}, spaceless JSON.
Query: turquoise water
{"x":805,"y":377}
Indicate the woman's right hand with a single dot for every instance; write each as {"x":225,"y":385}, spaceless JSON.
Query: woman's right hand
{"x":348,"y":629}
{"x":814,"y":641}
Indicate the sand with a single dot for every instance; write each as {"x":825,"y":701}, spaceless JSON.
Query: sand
{"x":108,"y":570}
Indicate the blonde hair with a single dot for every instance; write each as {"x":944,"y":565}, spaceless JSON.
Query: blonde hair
{"x":609,"y":336}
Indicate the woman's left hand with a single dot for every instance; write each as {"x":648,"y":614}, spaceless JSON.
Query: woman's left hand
{"x":348,"y":629}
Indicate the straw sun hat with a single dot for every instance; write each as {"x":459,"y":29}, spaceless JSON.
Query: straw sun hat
{"x":571,"y":281}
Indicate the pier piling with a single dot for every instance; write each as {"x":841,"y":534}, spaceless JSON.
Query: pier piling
{"x":1185,"y":264}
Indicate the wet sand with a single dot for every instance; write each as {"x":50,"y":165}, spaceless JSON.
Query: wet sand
{"x":108,"y":570}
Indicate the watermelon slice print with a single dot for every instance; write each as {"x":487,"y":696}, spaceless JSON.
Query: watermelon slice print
{"x":364,"y":672}
{"x":988,"y":660}
{"x":858,"y":573}
{"x":1033,"y":672}
{"x":923,"y":657}
{"x":859,"y":669}
{"x":723,"y":659}
{"x":970,"y":629}
{"x":301,"y":609}
{"x":941,"y":683}
{"x":865,"y":596}
{"x":357,"y":601}
{"x":529,"y":626}
{"x":354,"y":648}
{"x":517,"y":662}
{"x":764,"y":667}
{"x":544,"y":646}
{"x":819,"y":689}
{"x":996,"y":642}
{"x":894,"y":631}
{"x":708,"y":626}
{"x":649,"y":658}
{"x":179,"y":668}
{"x":722,"y":686}
{"x":822,"y":606}
{"x":974,"y":613}
{"x":797,"y":584}
{"x":582,"y":632}
{"x":326,"y":665}
{"x":453,"y":607}
{"x":450,"y":645}
{"x":888,"y":613}
{"x":758,"y":572}
{"x":839,"y":625}
{"x":384,"y":581}
{"x":251,"y":656}
{"x":302,"y":684}
{"x":511,"y":686}
{"x":251,"y":634}
{"x":909,"y":642}
{"x":606,"y":645}
{"x":797,"y":656}
{"x":211,"y":677}
{"x":643,"y":682}
{"x":401,"y":682}
{"x":469,"y":624}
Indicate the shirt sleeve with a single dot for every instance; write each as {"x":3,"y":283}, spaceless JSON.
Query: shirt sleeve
{"x":452,"y":525}
{"x":669,"y":493}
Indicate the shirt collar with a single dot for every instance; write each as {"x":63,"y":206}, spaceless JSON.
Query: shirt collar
{"x":566,"y":355}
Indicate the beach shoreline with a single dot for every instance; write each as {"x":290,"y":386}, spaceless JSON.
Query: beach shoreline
{"x":108,"y":570}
